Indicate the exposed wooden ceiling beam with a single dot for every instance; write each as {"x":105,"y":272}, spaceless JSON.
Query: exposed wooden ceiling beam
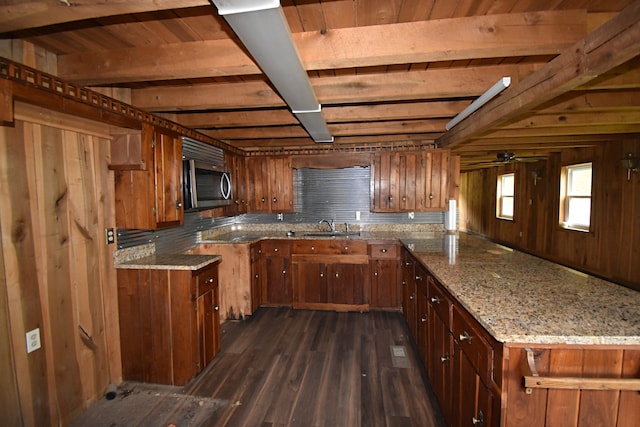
{"x":340,"y":114}
{"x":400,"y":86}
{"x":32,"y":14}
{"x":604,"y":49}
{"x":506,"y":35}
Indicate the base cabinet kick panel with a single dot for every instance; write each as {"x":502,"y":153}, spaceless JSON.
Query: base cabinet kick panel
{"x":169,"y":323}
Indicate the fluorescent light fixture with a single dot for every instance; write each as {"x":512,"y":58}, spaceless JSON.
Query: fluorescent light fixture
{"x":263,"y":29}
{"x":501,"y":85}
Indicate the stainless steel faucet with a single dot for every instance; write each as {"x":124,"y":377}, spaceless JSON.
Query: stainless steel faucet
{"x":331,"y":224}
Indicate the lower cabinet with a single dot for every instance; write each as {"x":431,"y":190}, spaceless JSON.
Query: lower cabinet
{"x":384,"y":276}
{"x":276,"y":278}
{"x":169,"y":323}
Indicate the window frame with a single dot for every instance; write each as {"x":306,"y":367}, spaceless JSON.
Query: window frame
{"x":500,"y":196}
{"x":565,"y":198}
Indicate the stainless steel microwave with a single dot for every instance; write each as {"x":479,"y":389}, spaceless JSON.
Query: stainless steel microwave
{"x":205,"y":185}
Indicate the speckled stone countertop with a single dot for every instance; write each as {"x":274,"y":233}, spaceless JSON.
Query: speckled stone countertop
{"x":520,"y":298}
{"x":170,"y":262}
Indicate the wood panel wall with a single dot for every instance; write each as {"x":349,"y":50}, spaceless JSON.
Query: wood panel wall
{"x":612,"y":247}
{"x":56,"y":271}
{"x":572,"y":407}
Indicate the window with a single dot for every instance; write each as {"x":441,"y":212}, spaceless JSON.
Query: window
{"x":575,"y":196}
{"x":506,"y":196}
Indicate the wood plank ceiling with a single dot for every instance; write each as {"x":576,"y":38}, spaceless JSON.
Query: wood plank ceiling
{"x":387,"y":72}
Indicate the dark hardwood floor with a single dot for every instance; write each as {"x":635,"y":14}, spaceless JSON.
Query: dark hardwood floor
{"x":285,"y":367}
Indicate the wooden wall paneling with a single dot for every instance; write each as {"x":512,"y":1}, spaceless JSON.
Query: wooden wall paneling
{"x":9,"y":397}
{"x":566,"y":403}
{"x":600,"y":407}
{"x":523,"y":409}
{"x":234,"y":276}
{"x":629,"y":400}
{"x":22,"y":279}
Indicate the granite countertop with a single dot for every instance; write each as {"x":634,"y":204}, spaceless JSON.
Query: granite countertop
{"x":170,"y":262}
{"x":521,"y":298}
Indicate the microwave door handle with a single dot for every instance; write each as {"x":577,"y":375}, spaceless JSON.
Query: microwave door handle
{"x":192,"y":187}
{"x":225,"y":186}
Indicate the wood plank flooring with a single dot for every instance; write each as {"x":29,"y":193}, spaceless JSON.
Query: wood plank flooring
{"x":285,"y":367}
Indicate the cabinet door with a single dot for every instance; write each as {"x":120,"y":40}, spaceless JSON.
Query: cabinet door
{"x":345,"y":284}
{"x":384,"y":284}
{"x":422,"y":317}
{"x":407,"y":181}
{"x":280,"y":184}
{"x":408,"y":291}
{"x":310,"y":280}
{"x":384,"y":182}
{"x":257,"y":184}
{"x":473,"y":401}
{"x":167,"y":160}
{"x":276,"y":284}
{"x":436,"y":170}
{"x":235,"y":164}
{"x":439,"y":362}
{"x":256,"y":276}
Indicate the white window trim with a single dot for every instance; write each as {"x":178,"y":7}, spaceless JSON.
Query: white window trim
{"x":565,"y":199}
{"x":501,"y":196}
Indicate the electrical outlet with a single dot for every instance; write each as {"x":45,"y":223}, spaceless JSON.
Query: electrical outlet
{"x":110,"y":235}
{"x":280,"y":217}
{"x":357,"y":215}
{"x":33,"y":340}
{"x":411,"y":215}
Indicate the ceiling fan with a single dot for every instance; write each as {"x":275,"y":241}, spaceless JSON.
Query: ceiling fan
{"x":504,"y":157}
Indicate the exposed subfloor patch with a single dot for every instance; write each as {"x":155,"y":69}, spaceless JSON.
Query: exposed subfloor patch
{"x":399,"y":356}
{"x":138,"y":404}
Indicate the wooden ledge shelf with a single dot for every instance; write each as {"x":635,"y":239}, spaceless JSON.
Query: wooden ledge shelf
{"x":532,"y":380}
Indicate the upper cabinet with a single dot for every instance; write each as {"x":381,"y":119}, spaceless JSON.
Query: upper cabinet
{"x":236,"y":166}
{"x":148,"y":179}
{"x":269,"y":184}
{"x":410,"y":181}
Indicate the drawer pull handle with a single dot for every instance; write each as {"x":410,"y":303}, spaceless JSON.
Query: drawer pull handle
{"x":424,"y":318}
{"x":435,"y":300}
{"x":445,"y":358}
{"x":464,"y":336}
{"x":383,"y":250}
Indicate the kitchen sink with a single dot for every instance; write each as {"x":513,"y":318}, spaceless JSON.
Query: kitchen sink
{"x":333,"y":234}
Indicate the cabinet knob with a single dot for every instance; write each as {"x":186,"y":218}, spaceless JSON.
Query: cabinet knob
{"x":313,"y":248}
{"x":383,"y":250}
{"x":275,"y":200}
{"x":263,"y":200}
{"x":464,"y":336}
{"x":284,"y":271}
{"x":418,"y":277}
{"x":178,"y":204}
{"x":478,"y":421}
{"x":216,"y":308}
{"x":407,"y":264}
{"x":412,"y":296}
{"x":391,"y":198}
{"x":430,"y":196}
{"x":424,"y":318}
{"x":257,"y":276}
{"x":375,"y":273}
{"x":404,"y":198}
{"x":444,"y":359}
{"x":275,"y":249}
{"x":210,"y":280}
{"x":346,"y":248}
{"x":337,"y":275}
{"x":435,"y":300}
{"x":321,"y":274}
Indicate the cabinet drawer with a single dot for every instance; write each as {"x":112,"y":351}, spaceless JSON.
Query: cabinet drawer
{"x":438,"y":299}
{"x":330,"y":247}
{"x":386,"y":250}
{"x":280,"y":248}
{"x":471,"y":338}
{"x":206,"y":279}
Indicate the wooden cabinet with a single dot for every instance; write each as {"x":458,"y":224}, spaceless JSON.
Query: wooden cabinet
{"x":169,"y":323}
{"x":409,"y":291}
{"x":330,"y":275}
{"x":411,"y":181}
{"x":269,"y":184}
{"x":236,"y":166}
{"x":148,"y":179}
{"x":256,"y":276}
{"x":276,"y":278}
{"x":384,"y":275}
